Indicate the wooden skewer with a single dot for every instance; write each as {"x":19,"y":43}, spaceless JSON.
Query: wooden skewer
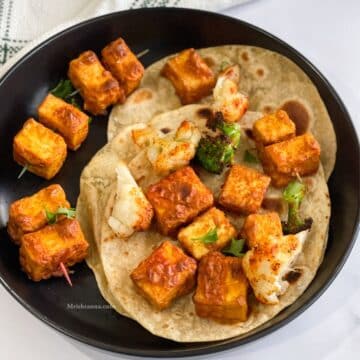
{"x":66,"y":274}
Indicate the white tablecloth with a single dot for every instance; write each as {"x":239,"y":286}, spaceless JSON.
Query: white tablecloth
{"x":327,"y":32}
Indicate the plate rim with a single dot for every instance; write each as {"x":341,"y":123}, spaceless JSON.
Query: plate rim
{"x":205,"y":347}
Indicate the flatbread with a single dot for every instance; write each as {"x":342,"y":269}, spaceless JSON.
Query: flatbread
{"x":269,"y":79}
{"x":120,"y":256}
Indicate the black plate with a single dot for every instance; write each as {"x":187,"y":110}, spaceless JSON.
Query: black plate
{"x":163,"y":31}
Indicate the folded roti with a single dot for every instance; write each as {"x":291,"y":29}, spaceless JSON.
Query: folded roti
{"x":270,"y":80}
{"x":112,"y":259}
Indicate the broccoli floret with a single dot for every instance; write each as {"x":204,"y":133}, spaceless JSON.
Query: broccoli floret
{"x":214,"y":153}
{"x":232,"y":131}
{"x":293,"y":195}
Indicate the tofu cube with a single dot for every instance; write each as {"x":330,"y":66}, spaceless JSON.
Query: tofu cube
{"x":284,"y":160}
{"x":123,"y":64}
{"x":178,"y":198}
{"x":28,"y":214}
{"x":42,"y":251}
{"x":243,"y":190}
{"x":97,"y":86}
{"x":190,"y":75}
{"x":40,"y":149}
{"x":195,"y":237}
{"x":165,"y":275}
{"x":64,"y":118}
{"x":222,"y":289}
{"x":274,"y":128}
{"x":258,"y":227}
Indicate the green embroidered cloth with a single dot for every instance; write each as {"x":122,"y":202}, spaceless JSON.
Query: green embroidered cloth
{"x":30,"y":21}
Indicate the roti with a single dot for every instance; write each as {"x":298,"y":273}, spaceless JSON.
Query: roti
{"x":270,"y":80}
{"x":115,"y":258}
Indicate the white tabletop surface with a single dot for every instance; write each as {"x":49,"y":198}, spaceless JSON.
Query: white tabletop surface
{"x":327,"y":32}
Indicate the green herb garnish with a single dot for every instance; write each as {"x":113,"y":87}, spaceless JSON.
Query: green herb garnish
{"x":52,"y":216}
{"x":63,"y":89}
{"x":235,"y":248}
{"x":224,"y":65}
{"x":250,"y":158}
{"x":23,"y":171}
{"x":210,"y":237}
{"x":73,"y":102}
{"x":90,"y":120}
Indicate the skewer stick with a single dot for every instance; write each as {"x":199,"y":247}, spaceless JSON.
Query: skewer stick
{"x":142,"y":53}
{"x":66,"y":274}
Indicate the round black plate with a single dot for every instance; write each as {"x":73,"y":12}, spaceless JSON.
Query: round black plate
{"x":163,"y":31}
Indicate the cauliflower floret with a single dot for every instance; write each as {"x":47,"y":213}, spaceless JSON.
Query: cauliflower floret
{"x":266,"y":265}
{"x":131,"y":211}
{"x":227,"y":98}
{"x":144,"y":137}
{"x":172,"y":153}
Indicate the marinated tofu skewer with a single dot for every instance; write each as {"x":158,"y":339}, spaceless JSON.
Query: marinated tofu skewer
{"x":97,"y":86}
{"x":39,"y":149}
{"x":43,"y":251}
{"x":30,"y":213}
{"x":123,"y":65}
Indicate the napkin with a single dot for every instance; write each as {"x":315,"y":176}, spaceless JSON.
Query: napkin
{"x":26,"y":23}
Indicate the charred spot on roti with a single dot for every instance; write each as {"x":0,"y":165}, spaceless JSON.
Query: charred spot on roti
{"x":209,"y":61}
{"x":260,"y":72}
{"x":298,"y":114}
{"x":293,"y":276}
{"x":141,"y":95}
{"x":165,"y":130}
{"x":207,"y":114}
{"x":249,"y":134}
{"x":267,"y":109}
{"x":274,"y":204}
{"x":245,"y":56}
{"x":110,"y":237}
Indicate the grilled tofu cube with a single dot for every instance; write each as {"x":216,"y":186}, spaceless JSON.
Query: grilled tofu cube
{"x":209,"y":231}
{"x":28,"y":214}
{"x":40,"y":149}
{"x":274,"y":128}
{"x":64,"y":118}
{"x":244,"y":190}
{"x":123,"y":64}
{"x":97,"y":86}
{"x":284,"y":160}
{"x":165,"y":275}
{"x":42,"y":251}
{"x":222,"y":288}
{"x":190,"y":75}
{"x":178,"y":198}
{"x":260,"y":226}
